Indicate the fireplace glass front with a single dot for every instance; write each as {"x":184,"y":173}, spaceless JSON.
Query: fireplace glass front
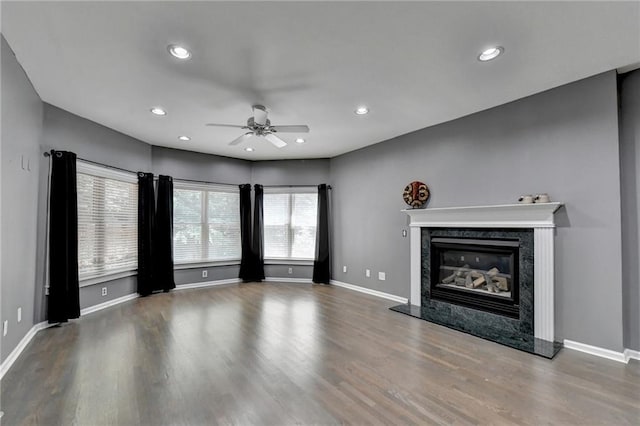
{"x":477,"y":273}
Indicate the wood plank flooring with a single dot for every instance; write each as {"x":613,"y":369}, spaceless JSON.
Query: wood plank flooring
{"x":279,"y":354}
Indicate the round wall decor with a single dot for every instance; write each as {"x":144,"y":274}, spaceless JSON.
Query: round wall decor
{"x":416,"y":194}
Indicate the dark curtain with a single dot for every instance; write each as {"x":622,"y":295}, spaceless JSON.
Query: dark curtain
{"x":322,"y":262}
{"x":64,"y":293}
{"x":257,"y":246}
{"x":163,"y":238}
{"x":245,"y":232}
{"x":146,"y":215}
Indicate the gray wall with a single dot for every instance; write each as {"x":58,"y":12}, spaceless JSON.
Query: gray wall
{"x":215,"y":273}
{"x":291,"y":172}
{"x":21,"y":133}
{"x":196,"y":166}
{"x":630,"y":182}
{"x":94,"y":142}
{"x":281,"y":270}
{"x":563,"y":141}
{"x":92,"y":295}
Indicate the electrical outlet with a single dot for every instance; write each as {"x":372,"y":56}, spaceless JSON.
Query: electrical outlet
{"x":367,"y":273}
{"x":382,"y":276}
{"x":290,"y":270}
{"x":205,"y":274}
{"x":19,"y":315}
{"x":344,"y":269}
{"x":104,"y":291}
{"x":5,"y":327}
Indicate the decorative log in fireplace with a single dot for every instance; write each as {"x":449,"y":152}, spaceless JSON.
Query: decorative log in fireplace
{"x":476,"y":273}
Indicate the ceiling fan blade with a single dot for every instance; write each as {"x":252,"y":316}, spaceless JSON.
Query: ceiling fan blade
{"x":226,"y":125}
{"x":291,"y":129}
{"x":241,"y":139}
{"x":259,"y":115}
{"x":275,"y":140}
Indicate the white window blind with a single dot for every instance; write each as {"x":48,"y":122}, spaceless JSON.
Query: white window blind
{"x":290,"y":217}
{"x":206,"y":223}
{"x":107,"y":221}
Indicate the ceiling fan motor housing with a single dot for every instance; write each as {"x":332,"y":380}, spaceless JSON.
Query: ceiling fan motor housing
{"x":258,"y":128}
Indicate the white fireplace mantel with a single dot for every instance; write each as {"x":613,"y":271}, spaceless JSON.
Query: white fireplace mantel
{"x":503,"y":216}
{"x":539,"y":217}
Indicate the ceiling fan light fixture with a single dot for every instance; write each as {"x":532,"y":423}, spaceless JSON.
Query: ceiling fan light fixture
{"x":184,"y":138}
{"x":158,"y":111}
{"x":490,"y":53}
{"x":362,"y":110}
{"x":249,"y":149}
{"x":300,"y":140}
{"x":179,"y":51}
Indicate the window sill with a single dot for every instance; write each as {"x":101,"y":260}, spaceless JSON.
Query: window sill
{"x":301,"y":262}
{"x":104,"y":278}
{"x":196,"y":265}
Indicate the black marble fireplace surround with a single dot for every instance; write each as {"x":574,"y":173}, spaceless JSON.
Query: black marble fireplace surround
{"x":514,"y":332}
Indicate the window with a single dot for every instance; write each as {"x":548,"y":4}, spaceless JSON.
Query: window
{"x":206,"y":223}
{"x":290,"y":223}
{"x":107,"y":221}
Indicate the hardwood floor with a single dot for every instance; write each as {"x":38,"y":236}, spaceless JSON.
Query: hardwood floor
{"x":279,"y":354}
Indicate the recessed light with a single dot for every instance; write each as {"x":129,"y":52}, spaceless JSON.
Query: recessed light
{"x":184,"y":138}
{"x":158,"y":111}
{"x":362,"y":110}
{"x":300,"y":140}
{"x":249,"y":149}
{"x":179,"y":52}
{"x":490,"y":53}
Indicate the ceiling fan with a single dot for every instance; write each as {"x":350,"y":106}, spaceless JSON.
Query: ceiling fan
{"x":259,"y":125}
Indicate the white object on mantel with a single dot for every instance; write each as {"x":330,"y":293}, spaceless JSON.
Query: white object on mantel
{"x":539,"y":217}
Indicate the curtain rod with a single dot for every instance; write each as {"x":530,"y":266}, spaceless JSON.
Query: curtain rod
{"x":47,"y":154}
{"x":203,"y":181}
{"x":292,"y":186}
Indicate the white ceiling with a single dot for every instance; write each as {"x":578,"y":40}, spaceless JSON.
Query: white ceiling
{"x":413,"y":63}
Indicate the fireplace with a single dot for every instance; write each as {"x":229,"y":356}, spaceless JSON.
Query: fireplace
{"x":476,"y":273}
{"x":474,"y":269}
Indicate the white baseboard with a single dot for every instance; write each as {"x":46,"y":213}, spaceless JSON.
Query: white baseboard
{"x":207,"y":284}
{"x":132,"y":296}
{"x":288,"y":280}
{"x":631,"y":354}
{"x":15,"y":353}
{"x":597,"y":351}
{"x":108,"y":304}
{"x":371,"y":292}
